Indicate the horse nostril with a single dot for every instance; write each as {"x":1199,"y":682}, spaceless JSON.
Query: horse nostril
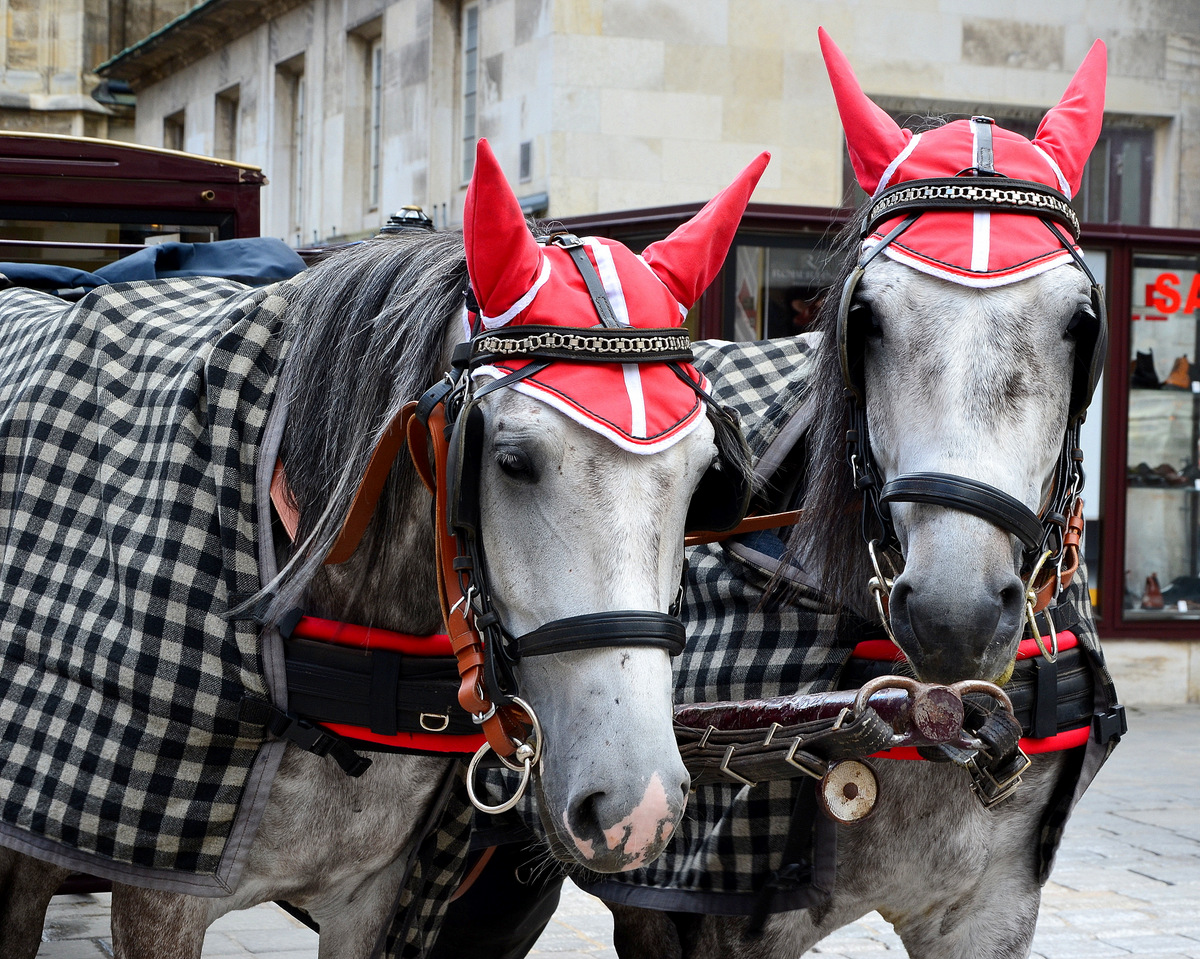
{"x":1012,"y":597}
{"x":583,"y":814}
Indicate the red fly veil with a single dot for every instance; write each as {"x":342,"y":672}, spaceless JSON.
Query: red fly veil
{"x":642,"y":407}
{"x":972,"y":248}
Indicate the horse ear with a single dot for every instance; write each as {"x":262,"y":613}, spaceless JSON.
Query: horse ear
{"x":873,"y":139}
{"x":688,"y":259}
{"x":1070,"y":130}
{"x":503,"y":258}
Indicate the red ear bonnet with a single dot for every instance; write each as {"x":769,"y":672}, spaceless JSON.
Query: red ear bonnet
{"x":981,"y":249}
{"x":640,"y":407}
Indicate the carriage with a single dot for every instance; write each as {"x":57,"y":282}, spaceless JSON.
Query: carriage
{"x":967,"y":488}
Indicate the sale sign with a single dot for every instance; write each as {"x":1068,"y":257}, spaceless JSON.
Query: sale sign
{"x":1171,"y":293}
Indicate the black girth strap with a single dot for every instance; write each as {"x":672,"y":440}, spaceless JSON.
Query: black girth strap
{"x":620,"y":628}
{"x":969,"y":496}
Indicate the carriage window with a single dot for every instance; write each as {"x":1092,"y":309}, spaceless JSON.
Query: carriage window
{"x":1162,"y":545}
{"x":777,"y":289}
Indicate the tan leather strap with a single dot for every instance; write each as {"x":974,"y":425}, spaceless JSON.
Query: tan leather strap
{"x":366,"y":498}
{"x":1046,"y":591}
{"x":505,"y":727}
{"x":750,"y":524}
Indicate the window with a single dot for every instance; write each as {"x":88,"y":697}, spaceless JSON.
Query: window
{"x":525,"y":168}
{"x":1162,"y":472}
{"x":374,"y":121}
{"x":289,"y":132}
{"x":1117,"y":180}
{"x":777,"y":287}
{"x":225,"y":123}
{"x":173,"y":131}
{"x":470,"y":48}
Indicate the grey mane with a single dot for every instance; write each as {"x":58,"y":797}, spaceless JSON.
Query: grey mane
{"x":369,"y":326}
{"x":830,"y":528}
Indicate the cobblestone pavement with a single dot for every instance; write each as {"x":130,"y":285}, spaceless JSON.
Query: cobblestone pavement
{"x":1127,"y":881}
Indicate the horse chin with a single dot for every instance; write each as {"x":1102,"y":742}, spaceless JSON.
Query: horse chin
{"x":631,"y":843}
{"x":945,"y":663}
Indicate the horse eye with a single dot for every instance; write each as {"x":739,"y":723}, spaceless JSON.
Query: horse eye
{"x":516,"y":463}
{"x":862,"y":316}
{"x":1081,"y":316}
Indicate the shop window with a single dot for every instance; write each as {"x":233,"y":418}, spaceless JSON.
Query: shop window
{"x":1162,"y":477}
{"x":777,"y":287}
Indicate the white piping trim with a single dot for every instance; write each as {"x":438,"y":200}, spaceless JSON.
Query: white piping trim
{"x":1062,"y":180}
{"x":982,"y":281}
{"x":491,"y":322}
{"x":575,"y":414}
{"x":891,"y":167}
{"x":607,"y":268}
{"x":981,"y":240}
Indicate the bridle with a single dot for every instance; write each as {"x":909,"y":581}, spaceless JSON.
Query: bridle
{"x":1049,"y":538}
{"x":444,"y":431}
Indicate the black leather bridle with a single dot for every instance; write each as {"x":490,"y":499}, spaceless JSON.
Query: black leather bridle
{"x":1041,"y":535}
{"x":719,"y":503}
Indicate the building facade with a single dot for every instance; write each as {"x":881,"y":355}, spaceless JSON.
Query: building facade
{"x":356,"y":107}
{"x":49,"y":51}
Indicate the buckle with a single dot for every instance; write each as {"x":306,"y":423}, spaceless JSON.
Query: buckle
{"x":435,"y":722}
{"x":994,"y":785}
{"x":1110,"y":726}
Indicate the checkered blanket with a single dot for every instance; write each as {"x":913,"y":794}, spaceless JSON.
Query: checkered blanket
{"x":129,"y":432}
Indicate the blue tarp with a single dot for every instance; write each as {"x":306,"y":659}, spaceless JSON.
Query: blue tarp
{"x":255,"y":261}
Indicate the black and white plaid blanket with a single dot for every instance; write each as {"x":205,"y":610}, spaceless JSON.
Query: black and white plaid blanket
{"x":129,"y":433}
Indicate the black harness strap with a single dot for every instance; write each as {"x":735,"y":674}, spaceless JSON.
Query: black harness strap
{"x":620,"y":628}
{"x":968,"y":496}
{"x":574,"y":247}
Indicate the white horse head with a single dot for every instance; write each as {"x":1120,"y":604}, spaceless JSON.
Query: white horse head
{"x":586,"y":474}
{"x":573,"y":525}
{"x":976,"y":384}
{"x":971,"y":335}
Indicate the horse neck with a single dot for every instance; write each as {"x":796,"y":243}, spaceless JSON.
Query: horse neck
{"x":390,"y":580}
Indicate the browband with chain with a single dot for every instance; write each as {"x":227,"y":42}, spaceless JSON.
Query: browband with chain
{"x":596,"y":345}
{"x":977,"y":193}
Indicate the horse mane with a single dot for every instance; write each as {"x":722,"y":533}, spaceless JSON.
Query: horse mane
{"x":369,"y":327}
{"x":828,"y":539}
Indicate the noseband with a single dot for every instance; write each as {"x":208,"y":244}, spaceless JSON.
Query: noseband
{"x":1049,"y":540}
